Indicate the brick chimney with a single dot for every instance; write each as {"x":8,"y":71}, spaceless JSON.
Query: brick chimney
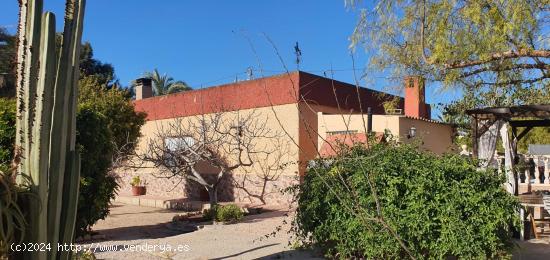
{"x":415,"y":98}
{"x":144,"y":88}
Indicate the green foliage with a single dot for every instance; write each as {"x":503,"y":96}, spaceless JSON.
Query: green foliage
{"x":7,"y":132}
{"x":224,"y":213}
{"x":164,"y":84}
{"x":472,"y":98}
{"x":458,"y":43}
{"x":7,"y":63}
{"x":228,"y":213}
{"x":210,"y":214}
{"x":97,"y":186}
{"x":114,"y":103}
{"x":90,"y":66}
{"x":136,"y":181}
{"x":107,"y":123}
{"x":439,"y":206}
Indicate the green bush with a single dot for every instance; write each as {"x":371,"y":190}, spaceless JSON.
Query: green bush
{"x":228,"y":213}
{"x":97,"y":186}
{"x":439,"y":206}
{"x":7,"y":132}
{"x":224,"y":213}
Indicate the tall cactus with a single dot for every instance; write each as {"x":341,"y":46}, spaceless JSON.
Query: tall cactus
{"x":46,"y":117}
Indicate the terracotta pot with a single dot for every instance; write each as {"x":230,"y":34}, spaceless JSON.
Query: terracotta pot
{"x":138,"y":190}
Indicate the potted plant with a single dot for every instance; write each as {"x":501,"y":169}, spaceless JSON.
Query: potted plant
{"x":138,"y":187}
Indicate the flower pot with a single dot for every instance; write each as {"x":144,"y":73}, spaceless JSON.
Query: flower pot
{"x":138,"y":190}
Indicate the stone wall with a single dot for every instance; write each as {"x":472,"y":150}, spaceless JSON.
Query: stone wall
{"x":231,"y":188}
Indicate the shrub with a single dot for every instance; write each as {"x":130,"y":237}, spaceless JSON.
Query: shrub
{"x":97,"y":185}
{"x":225,"y":213}
{"x":439,"y":206}
{"x":7,"y":132}
{"x":210,"y":214}
{"x":228,"y":213}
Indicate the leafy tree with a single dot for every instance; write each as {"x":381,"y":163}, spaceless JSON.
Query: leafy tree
{"x":106,"y":124}
{"x":97,"y":186}
{"x":164,"y":84}
{"x":7,"y":132}
{"x":482,"y":44}
{"x":473,"y":98}
{"x":7,"y":63}
{"x":364,"y":202}
{"x":91,"y":66}
{"x":114,"y":103}
{"x":497,"y":52}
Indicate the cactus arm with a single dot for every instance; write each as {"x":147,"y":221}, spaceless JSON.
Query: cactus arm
{"x":73,"y":98}
{"x":58,"y":134}
{"x":21,"y":63}
{"x":38,"y":160}
{"x":31,"y":73}
{"x":72,"y":172}
{"x":69,"y":207}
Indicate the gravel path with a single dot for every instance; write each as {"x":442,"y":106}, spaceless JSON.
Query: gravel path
{"x":134,"y":232}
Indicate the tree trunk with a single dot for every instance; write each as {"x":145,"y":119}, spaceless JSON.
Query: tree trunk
{"x":213,"y":194}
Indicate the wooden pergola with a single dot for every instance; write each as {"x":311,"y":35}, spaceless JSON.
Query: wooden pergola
{"x":527,"y":117}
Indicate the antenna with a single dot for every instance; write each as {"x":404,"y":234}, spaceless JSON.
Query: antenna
{"x":298,"y":54}
{"x":250,"y":73}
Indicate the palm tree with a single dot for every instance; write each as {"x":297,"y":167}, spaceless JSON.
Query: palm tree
{"x":164,"y":84}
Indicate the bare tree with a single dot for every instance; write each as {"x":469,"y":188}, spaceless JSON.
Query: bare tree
{"x":187,"y":147}
{"x":268,"y":168}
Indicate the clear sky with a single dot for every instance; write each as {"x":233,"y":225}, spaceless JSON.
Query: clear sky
{"x":205,"y":42}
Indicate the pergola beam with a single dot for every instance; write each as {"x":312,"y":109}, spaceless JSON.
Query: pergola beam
{"x":530,"y":123}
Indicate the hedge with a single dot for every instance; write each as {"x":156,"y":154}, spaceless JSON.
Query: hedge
{"x":439,"y":206}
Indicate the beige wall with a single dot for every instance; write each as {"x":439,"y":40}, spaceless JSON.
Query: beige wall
{"x":303,"y":124}
{"x":435,"y":137}
{"x":283,"y":119}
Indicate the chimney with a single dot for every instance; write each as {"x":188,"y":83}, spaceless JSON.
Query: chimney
{"x":415,"y":97}
{"x":144,"y":88}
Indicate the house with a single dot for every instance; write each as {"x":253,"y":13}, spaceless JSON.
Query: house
{"x":308,"y":109}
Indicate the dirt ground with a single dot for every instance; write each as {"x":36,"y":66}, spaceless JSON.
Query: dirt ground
{"x":134,"y":232}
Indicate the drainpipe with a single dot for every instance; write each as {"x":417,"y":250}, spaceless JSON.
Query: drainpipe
{"x":369,"y":117}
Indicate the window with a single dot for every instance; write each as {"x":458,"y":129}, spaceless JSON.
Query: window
{"x":175,"y":144}
{"x":178,"y":143}
{"x":343,"y":132}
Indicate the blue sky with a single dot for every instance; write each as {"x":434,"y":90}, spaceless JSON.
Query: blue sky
{"x":205,"y":42}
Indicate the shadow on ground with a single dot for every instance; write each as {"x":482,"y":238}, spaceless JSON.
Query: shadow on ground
{"x":127,"y":222}
{"x":267,"y":214}
{"x":155,"y":231}
{"x":294,"y":254}
{"x":532,"y":249}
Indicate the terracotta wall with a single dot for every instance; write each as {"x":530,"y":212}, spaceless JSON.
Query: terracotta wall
{"x":264,"y":92}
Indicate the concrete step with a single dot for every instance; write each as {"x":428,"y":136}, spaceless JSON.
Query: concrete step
{"x":163,"y":203}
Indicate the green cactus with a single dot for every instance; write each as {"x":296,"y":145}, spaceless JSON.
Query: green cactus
{"x":46,"y":118}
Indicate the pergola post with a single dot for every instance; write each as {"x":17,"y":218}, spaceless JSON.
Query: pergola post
{"x":474,"y":137}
